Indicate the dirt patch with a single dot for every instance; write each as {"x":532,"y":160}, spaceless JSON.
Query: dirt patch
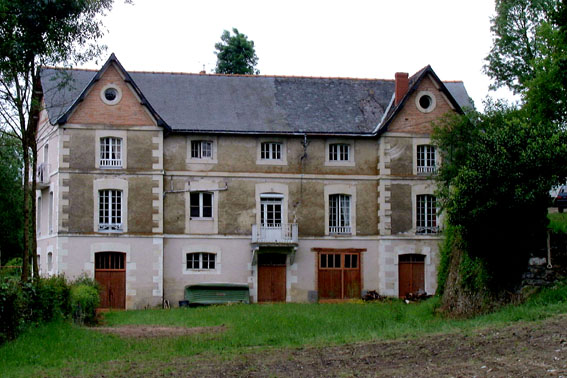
{"x":147,"y":331}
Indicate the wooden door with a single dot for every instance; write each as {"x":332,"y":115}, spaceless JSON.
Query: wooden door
{"x":110,"y":273}
{"x":411,"y":274}
{"x":271,"y":277}
{"x":339,"y":275}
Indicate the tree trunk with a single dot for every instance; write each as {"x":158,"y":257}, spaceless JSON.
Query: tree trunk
{"x":33,"y":212}
{"x":26,"y":244}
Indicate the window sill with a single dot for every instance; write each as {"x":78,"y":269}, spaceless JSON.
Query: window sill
{"x":201,"y":219}
{"x":278,"y":162}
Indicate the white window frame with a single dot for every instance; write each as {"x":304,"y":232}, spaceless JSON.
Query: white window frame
{"x":110,"y":184}
{"x":426,"y":159}
{"x":202,"y":148}
{"x":203,"y":260}
{"x":202,"y":139}
{"x":274,"y":199}
{"x":343,"y":189}
{"x":110,"y":152}
{"x":271,"y":158}
{"x":117,"y":134}
{"x":337,"y":204}
{"x":338,"y":158}
{"x":50,"y":213}
{"x":110,"y":210}
{"x":201,"y":248}
{"x":426,"y":219}
{"x":200,"y":205}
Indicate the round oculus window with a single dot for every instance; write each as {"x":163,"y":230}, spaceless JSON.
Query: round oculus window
{"x":425,"y":101}
{"x":111,"y":94}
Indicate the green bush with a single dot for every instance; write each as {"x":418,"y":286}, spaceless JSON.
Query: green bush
{"x":84,"y":301}
{"x":12,"y":306}
{"x":52,"y":299}
{"x":6,"y":272}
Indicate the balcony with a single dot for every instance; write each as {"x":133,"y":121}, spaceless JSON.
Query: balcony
{"x":276,"y":234}
{"x":42,"y":176}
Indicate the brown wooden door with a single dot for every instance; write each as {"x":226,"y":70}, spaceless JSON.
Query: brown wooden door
{"x":271,"y":277}
{"x":411,"y":274}
{"x":339,"y":275}
{"x":110,"y":273}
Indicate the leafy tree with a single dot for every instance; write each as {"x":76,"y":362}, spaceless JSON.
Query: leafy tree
{"x":498,"y":167}
{"x":35,"y":33}
{"x":236,"y":54}
{"x":11,"y":220}
{"x":516,"y":41}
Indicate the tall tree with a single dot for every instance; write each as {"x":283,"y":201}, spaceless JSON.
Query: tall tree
{"x":236,"y":54}
{"x":35,"y":33}
{"x":499,"y":166}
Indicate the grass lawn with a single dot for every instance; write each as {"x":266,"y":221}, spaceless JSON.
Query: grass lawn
{"x":62,"y":348}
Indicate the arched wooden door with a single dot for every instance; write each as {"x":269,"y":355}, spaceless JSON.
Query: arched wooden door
{"x":110,"y":273}
{"x":411,"y":274}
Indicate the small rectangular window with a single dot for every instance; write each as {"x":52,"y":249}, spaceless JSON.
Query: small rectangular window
{"x":201,"y":149}
{"x":201,"y":261}
{"x":271,"y":151}
{"x":339,"y":152}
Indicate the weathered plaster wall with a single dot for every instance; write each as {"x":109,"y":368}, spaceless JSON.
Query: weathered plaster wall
{"x":401,"y":205}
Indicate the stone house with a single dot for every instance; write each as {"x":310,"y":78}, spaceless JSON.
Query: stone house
{"x":302,"y":188}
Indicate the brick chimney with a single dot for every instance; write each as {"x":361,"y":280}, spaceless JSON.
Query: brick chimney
{"x":402,"y":86}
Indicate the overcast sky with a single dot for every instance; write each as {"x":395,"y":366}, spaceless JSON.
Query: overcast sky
{"x":362,"y":39}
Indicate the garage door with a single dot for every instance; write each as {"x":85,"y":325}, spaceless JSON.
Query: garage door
{"x":339,"y":275}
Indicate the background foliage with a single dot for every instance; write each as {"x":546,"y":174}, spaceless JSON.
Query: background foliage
{"x":236,"y":54}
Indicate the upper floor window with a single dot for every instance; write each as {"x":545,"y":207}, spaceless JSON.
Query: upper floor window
{"x":426,"y":159}
{"x":201,"y":149}
{"x":201,"y":205}
{"x":426,"y":214}
{"x":339,"y":214}
{"x":110,"y":210}
{"x":201,"y":260}
{"x":271,"y":151}
{"x":271,"y":210}
{"x":339,"y":152}
{"x":111,"y":152}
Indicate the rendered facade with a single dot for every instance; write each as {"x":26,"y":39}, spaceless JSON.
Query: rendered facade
{"x":304,"y":189}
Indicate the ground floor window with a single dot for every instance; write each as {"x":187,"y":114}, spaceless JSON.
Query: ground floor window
{"x":201,"y":260}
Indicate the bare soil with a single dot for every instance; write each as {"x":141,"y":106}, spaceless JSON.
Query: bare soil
{"x":138,"y":331}
{"x":534,"y":349}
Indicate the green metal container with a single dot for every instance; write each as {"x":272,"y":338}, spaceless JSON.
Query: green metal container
{"x":217,"y":293}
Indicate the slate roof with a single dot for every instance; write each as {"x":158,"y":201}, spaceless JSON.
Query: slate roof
{"x":243,"y":104}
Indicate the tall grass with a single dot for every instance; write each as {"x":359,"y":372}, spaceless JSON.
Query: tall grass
{"x":62,"y":348}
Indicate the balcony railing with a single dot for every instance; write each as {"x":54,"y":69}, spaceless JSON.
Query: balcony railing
{"x":340,"y":230}
{"x":426,"y":170}
{"x":109,"y":227}
{"x":111,"y":163}
{"x":42,"y":176}
{"x":275,"y":233}
{"x":432,"y":230}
